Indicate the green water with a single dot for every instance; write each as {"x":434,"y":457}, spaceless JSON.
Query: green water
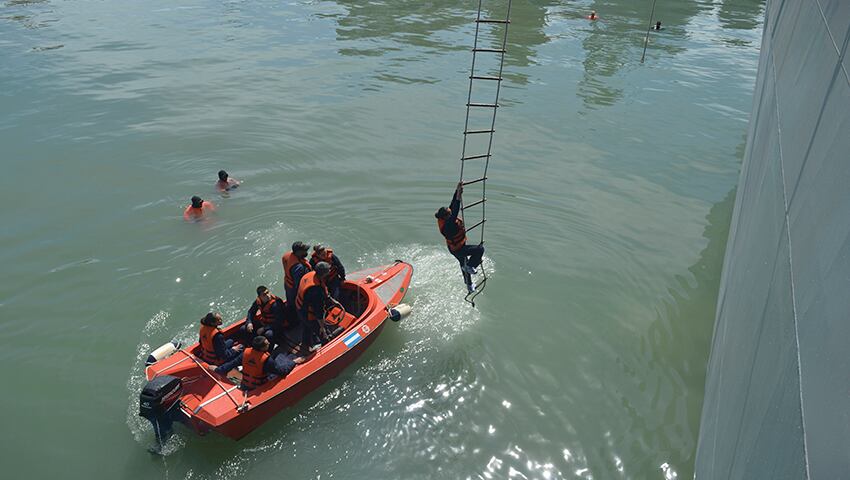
{"x":610,"y":197}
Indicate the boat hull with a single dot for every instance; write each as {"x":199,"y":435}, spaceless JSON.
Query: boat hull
{"x":250,"y":420}
{"x":210,"y":402}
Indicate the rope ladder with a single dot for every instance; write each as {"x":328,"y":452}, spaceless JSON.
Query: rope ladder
{"x":485,"y":77}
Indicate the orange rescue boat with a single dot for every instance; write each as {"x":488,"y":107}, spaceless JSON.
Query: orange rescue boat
{"x":183,"y":388}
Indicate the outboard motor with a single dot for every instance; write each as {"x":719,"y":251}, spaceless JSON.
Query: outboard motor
{"x":158,"y":403}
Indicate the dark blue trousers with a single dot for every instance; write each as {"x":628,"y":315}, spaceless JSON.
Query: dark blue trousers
{"x":470,"y":255}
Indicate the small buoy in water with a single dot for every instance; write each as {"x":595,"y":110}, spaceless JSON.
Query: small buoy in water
{"x":402,"y":310}
{"x":162,"y":352}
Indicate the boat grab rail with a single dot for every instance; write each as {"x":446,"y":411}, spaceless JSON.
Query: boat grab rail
{"x":204,"y":369}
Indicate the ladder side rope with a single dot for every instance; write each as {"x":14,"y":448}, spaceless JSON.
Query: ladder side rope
{"x":469,"y":94}
{"x":648,"y":30}
{"x":493,"y":125}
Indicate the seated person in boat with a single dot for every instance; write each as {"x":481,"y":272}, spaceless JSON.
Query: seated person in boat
{"x":197,"y":209}
{"x":295,"y":266}
{"x":337,"y":274}
{"x":258,"y":365}
{"x":452,"y":228}
{"x":225,"y":183}
{"x":311,"y":301}
{"x":215,"y":350}
{"x":266,"y":315}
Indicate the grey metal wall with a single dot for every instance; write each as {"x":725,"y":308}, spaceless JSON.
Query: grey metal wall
{"x":777,"y":401}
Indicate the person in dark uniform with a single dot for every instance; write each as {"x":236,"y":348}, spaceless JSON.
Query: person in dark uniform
{"x":452,"y":228}
{"x":311,"y":302}
{"x":258,"y":365}
{"x":215,"y":349}
{"x":266,"y":316}
{"x":337,"y":273}
{"x":295,"y":266}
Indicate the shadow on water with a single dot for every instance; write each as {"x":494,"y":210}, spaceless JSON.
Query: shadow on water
{"x":432,"y":25}
{"x":27,"y":13}
{"x":615,"y":42}
{"x":741,"y":14}
{"x":526,"y":34}
{"x":676,"y":347}
{"x":409,"y":23}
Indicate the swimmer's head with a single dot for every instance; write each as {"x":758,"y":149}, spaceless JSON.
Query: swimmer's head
{"x":222,"y":175}
{"x":197,"y":202}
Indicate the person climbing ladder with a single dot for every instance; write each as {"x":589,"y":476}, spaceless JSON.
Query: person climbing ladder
{"x":485,"y":80}
{"x":454,"y":231}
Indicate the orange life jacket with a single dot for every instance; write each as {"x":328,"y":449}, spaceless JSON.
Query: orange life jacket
{"x":191,"y":213}
{"x":457,"y":241}
{"x":253,"y":361}
{"x":208,"y":332}
{"x":264,"y":313}
{"x":327,"y":258}
{"x":334,"y":315}
{"x":307,"y":282}
{"x":289,"y":260}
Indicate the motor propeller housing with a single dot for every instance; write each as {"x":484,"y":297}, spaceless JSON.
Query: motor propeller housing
{"x":157,"y":403}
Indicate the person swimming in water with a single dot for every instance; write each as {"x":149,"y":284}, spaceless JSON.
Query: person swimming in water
{"x":592,"y":15}
{"x":197,"y":209}
{"x":225,"y":183}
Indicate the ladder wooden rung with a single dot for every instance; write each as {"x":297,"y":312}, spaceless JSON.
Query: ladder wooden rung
{"x":490,"y":50}
{"x":474,"y":157}
{"x":487,"y":105}
{"x":487,"y":20}
{"x":485,"y":77}
{"x":474,"y":204}
{"x":477,"y":224}
{"x":474,"y":181}
{"x":468,"y":132}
